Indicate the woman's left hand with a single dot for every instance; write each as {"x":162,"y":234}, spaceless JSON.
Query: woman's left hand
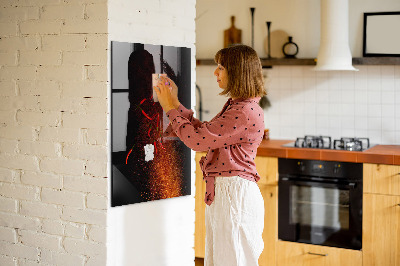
{"x":163,"y":90}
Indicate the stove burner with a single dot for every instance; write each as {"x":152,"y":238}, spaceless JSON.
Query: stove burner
{"x":351,"y":144}
{"x":324,"y":142}
{"x":308,"y":141}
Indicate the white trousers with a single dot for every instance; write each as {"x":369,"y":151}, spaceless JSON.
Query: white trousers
{"x":234,"y":223}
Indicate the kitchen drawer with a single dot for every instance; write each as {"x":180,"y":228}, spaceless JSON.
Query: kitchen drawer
{"x":298,"y":254}
{"x":381,"y":179}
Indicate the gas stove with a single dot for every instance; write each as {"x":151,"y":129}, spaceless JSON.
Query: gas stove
{"x":325,"y":142}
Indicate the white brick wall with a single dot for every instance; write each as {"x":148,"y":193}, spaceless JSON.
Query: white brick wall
{"x":53,"y":121}
{"x":53,"y":129}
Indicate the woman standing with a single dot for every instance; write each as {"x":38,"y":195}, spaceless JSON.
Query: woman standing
{"x":235,"y":207}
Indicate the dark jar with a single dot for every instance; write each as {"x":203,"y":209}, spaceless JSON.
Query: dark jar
{"x":290,"y":49}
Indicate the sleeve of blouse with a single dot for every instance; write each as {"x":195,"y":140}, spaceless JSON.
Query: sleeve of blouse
{"x":222,"y":131}
{"x":186,"y":113}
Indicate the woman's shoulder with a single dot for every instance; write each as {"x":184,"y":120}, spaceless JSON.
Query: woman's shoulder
{"x":248,"y":109}
{"x":249,"y":104}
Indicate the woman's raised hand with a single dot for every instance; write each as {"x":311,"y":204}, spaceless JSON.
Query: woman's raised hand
{"x":165,"y":93}
{"x":174,"y":92}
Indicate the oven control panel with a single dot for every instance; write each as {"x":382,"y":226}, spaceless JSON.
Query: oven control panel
{"x":331,"y":169}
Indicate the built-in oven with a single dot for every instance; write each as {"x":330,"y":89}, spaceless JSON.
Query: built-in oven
{"x":320,"y":202}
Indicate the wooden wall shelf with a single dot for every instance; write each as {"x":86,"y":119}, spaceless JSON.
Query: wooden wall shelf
{"x":376,"y":61}
{"x":288,"y":62}
{"x":312,"y":61}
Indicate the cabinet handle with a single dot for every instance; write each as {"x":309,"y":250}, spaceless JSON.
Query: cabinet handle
{"x":398,"y":204}
{"x":318,"y":254}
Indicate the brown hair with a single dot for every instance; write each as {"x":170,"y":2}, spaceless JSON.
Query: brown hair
{"x":245,"y":78}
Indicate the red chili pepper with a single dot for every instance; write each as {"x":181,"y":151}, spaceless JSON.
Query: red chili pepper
{"x":143,"y":100}
{"x":126,"y":162}
{"x":158,"y":120}
{"x":161,"y":145}
{"x":147,"y":115}
{"x":148,"y":133}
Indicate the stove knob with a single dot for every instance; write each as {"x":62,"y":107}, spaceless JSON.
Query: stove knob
{"x":336,"y":169}
{"x":301,"y":166}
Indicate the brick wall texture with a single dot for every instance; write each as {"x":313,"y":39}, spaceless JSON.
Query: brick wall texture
{"x":53,"y":132}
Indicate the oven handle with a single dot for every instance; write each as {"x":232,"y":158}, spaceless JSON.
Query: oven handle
{"x":329,"y":184}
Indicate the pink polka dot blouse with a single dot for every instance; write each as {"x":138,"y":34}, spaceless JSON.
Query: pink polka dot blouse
{"x":231,"y":139}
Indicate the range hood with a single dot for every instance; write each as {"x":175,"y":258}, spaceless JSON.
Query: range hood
{"x":334,"y":51}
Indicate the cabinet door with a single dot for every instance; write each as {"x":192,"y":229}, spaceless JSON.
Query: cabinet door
{"x":381,"y":179}
{"x":267,"y":168}
{"x":297,"y":254}
{"x":270,"y":233}
{"x":200,"y":207}
{"x":381,"y":230}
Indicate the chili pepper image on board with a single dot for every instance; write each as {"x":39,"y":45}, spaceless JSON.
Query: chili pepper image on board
{"x":147,"y":163}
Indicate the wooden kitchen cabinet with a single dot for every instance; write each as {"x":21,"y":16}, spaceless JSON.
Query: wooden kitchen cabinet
{"x":381,"y":179}
{"x":381,"y":230}
{"x":200,"y":207}
{"x":267,"y":168}
{"x":270,"y":233}
{"x":298,"y":254}
{"x":381,"y":215}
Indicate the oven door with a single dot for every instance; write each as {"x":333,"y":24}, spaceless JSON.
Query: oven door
{"x":321,"y":212}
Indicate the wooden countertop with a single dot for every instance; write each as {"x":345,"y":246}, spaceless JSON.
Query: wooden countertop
{"x":379,"y":154}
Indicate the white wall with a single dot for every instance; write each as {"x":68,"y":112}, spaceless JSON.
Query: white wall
{"x":299,"y":18}
{"x":158,"y":232}
{"x":338,"y":104}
